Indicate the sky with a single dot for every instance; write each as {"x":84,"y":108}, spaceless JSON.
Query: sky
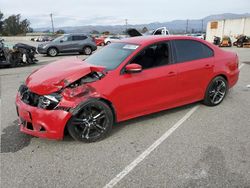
{"x":114,"y":12}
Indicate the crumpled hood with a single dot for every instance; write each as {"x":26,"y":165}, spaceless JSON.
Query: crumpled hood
{"x":58,"y":75}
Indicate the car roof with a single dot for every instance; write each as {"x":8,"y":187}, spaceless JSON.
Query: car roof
{"x":145,"y":40}
{"x":82,"y":34}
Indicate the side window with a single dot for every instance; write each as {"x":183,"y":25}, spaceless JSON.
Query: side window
{"x":208,"y":52}
{"x":188,"y":50}
{"x":66,"y":38}
{"x":153,"y":56}
{"x":78,"y":37}
{"x":158,"y":32}
{"x":82,"y":37}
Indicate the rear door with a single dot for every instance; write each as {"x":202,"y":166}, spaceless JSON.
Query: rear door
{"x":78,"y":42}
{"x":194,"y":62}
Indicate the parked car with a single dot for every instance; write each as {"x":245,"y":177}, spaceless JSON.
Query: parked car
{"x":225,"y":42}
{"x":100,"y":41}
{"x":111,"y":39}
{"x":197,"y":35}
{"x":68,"y":43}
{"x":127,"y":79}
{"x":159,"y":31}
{"x":241,"y":41}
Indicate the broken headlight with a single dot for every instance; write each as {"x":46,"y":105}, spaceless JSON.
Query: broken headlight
{"x":49,"y":102}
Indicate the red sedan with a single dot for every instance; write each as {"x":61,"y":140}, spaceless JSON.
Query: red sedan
{"x":127,"y":79}
{"x":100,"y":41}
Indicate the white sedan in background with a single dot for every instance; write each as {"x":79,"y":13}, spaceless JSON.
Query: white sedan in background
{"x":111,"y":39}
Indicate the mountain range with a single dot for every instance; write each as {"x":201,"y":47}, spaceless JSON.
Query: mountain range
{"x":175,"y":26}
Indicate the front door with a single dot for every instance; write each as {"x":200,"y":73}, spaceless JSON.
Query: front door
{"x":151,"y":90}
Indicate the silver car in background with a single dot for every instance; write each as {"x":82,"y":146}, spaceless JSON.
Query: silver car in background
{"x":68,"y":43}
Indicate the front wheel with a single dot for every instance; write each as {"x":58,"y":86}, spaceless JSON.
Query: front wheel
{"x":93,"y":122}
{"x":216,"y":91}
{"x":52,"y":52}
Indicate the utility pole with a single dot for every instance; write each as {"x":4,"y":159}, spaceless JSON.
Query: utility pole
{"x":126,"y":23}
{"x":202,"y":25}
{"x":187,"y":27}
{"x":51,"y":18}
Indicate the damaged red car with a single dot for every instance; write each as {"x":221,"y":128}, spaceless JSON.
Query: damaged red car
{"x":127,"y":79}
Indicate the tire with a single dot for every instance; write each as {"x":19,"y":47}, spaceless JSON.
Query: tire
{"x":216,"y":91}
{"x":52,"y":52}
{"x":92,"y":122}
{"x":108,"y":42}
{"x":87,"y":50}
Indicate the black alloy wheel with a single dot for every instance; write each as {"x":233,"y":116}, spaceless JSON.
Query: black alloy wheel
{"x":216,"y":91}
{"x":93,"y":122}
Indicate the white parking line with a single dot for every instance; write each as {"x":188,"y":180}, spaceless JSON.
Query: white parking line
{"x":241,"y":65}
{"x":141,"y":157}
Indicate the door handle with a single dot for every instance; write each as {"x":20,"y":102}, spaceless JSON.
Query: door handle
{"x":171,"y":73}
{"x":207,"y":66}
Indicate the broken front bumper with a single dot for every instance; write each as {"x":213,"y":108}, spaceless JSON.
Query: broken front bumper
{"x":41,"y":123}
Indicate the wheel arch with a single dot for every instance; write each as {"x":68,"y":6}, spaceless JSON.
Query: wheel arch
{"x":76,"y":110}
{"x":223,"y":75}
{"x":87,"y":45}
{"x":52,"y":47}
{"x":109,"y":103}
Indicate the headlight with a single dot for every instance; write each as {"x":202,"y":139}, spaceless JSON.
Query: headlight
{"x":49,"y":102}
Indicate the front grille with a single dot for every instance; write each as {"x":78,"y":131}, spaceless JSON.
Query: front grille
{"x":28,"y":97}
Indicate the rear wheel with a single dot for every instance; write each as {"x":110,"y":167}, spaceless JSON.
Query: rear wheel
{"x":216,"y":91}
{"x":93,"y":122}
{"x":87,"y":50}
{"x":52,"y":52}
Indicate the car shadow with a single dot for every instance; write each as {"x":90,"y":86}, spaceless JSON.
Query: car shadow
{"x":119,"y":126}
{"x":12,"y":140}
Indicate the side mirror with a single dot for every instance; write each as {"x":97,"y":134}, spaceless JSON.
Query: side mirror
{"x":133,"y":68}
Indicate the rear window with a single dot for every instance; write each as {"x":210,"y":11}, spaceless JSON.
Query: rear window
{"x":188,"y":50}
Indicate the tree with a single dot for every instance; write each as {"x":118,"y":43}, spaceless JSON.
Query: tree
{"x":1,"y":22}
{"x":106,"y":33}
{"x":13,"y":25}
{"x":94,"y":32}
{"x":60,"y":31}
{"x":144,"y":30}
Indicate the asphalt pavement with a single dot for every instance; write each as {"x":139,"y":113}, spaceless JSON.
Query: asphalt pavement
{"x":189,"y":146}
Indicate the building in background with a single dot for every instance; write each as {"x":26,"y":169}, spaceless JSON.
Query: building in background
{"x":228,"y":27}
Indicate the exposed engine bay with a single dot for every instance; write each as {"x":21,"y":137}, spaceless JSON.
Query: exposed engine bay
{"x":91,"y":77}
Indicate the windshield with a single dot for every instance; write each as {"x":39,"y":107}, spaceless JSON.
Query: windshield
{"x":112,"y":55}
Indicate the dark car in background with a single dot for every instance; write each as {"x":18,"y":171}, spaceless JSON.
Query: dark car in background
{"x":68,"y":43}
